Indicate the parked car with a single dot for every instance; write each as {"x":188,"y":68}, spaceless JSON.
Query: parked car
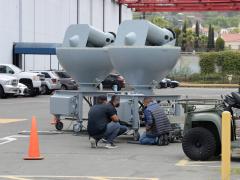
{"x":30,"y":79}
{"x":8,"y":85}
{"x":50,"y":83}
{"x":165,"y":83}
{"x":114,"y":79}
{"x":67,"y":83}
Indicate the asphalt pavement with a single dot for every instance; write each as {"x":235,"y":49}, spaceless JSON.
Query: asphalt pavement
{"x":67,"y":156}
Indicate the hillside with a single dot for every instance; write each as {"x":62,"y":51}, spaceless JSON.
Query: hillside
{"x":217,"y":19}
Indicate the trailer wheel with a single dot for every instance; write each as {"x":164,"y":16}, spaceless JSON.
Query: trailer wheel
{"x":77,"y":127}
{"x":59,"y":125}
{"x":199,"y":144}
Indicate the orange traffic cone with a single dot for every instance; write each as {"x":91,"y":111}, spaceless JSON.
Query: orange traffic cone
{"x":33,"y":151}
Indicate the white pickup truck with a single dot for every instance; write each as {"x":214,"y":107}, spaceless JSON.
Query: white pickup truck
{"x":31,"y":80}
{"x":8,"y":85}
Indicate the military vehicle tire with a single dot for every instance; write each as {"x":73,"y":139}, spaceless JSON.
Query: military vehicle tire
{"x":199,"y":144}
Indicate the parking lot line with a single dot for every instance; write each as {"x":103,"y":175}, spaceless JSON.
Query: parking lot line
{"x":182,"y":162}
{"x":25,"y":177}
{"x":15,"y":178}
{"x":185,"y":162}
{"x":9,"y":139}
{"x":208,"y":164}
{"x":5,"y":120}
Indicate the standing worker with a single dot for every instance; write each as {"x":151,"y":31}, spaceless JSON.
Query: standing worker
{"x":157,"y":124}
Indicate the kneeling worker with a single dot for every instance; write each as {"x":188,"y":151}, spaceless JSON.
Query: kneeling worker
{"x":103,"y":123}
{"x":157,"y":124}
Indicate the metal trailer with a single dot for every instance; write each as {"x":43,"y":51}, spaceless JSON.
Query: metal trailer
{"x":69,"y":105}
{"x":142,"y":52}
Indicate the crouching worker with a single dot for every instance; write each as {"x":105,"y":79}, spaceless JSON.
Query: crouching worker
{"x":157,"y":124}
{"x":103,"y":124}
{"x":115,"y":103}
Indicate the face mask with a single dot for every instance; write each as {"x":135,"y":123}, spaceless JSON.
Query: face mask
{"x":117,"y":105}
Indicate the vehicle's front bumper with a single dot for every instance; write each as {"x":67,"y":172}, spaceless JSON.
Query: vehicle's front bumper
{"x":51,"y":86}
{"x":9,"y":89}
{"x":24,"y":91}
{"x":54,"y":86}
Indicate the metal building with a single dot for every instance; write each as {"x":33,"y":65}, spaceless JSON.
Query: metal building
{"x":46,"y":21}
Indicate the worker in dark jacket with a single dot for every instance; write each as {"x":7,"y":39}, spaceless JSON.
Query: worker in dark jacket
{"x":157,"y":123}
{"x":103,"y":122}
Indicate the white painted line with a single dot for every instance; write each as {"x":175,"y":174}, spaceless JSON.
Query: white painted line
{"x":82,"y":177}
{"x":9,"y":139}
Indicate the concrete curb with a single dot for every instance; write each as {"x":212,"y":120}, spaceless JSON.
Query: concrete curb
{"x":190,"y":85}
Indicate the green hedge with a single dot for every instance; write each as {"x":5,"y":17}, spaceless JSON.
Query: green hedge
{"x":213,"y":78}
{"x":227,"y":62}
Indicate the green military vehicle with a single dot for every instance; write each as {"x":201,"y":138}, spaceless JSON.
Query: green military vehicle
{"x":202,"y":129}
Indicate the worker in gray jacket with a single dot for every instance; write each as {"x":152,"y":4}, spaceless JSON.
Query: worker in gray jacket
{"x":156,"y":122}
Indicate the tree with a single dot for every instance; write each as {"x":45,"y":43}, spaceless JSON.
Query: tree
{"x":184,"y":28}
{"x":203,"y":40}
{"x":197,"y":29}
{"x":209,"y":36}
{"x":197,"y":32}
{"x":184,"y":36}
{"x":210,"y":44}
{"x":212,"y":38}
{"x":177,"y":32}
{"x":190,"y":40}
{"x":220,"y":44}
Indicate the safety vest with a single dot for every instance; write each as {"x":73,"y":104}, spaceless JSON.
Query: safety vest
{"x":161,"y":123}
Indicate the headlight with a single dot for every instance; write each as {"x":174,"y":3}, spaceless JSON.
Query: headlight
{"x":9,"y":82}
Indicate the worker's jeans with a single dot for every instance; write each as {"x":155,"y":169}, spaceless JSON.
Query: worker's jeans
{"x":148,"y":139}
{"x":113,"y":130}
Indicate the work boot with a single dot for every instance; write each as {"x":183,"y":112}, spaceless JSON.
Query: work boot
{"x":160,"y":140}
{"x":101,"y":143}
{"x":163,"y":140}
{"x":110,"y":146}
{"x":166,"y":142}
{"x":93,"y":142}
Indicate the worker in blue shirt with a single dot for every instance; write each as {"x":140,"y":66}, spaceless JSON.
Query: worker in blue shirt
{"x":156,"y":122}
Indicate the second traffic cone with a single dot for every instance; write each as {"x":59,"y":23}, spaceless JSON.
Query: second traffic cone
{"x":33,"y":151}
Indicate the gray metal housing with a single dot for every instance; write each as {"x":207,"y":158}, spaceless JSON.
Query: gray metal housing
{"x":143,"y":53}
